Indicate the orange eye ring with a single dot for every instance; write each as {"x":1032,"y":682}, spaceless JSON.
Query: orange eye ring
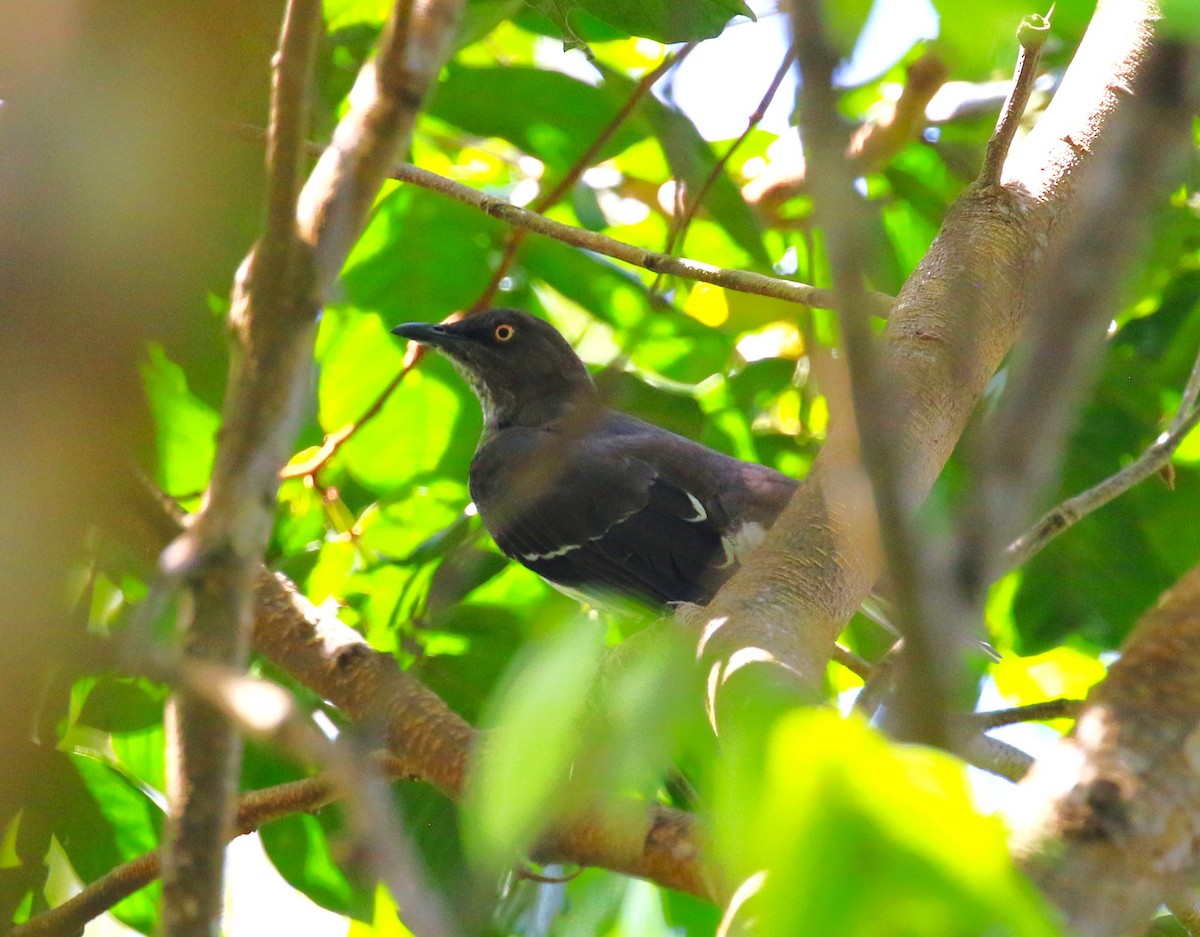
{"x":504,"y":332}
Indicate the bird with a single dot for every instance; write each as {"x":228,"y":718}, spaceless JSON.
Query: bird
{"x":604,"y":506}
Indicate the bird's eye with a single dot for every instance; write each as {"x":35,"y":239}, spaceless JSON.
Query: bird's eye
{"x":503,"y":332}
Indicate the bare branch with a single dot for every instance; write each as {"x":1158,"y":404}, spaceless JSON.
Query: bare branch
{"x":1071,"y":300}
{"x":744,"y":281}
{"x":954,"y":321}
{"x":204,"y":752}
{"x":1061,"y":708}
{"x":254,"y":810}
{"x":1032,"y":33}
{"x":273,"y":320}
{"x":680,"y":225}
{"x":871,"y":145}
{"x":1105,"y":823}
{"x":1075,"y":509}
{"x":268,"y":713}
{"x":921,"y":713}
{"x":879,"y":687}
{"x":993,"y":755}
{"x":517,"y":237}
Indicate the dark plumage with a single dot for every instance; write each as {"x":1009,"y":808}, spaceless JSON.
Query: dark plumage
{"x":595,"y":501}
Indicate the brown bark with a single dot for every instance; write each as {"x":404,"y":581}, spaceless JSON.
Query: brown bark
{"x":954,"y":321}
{"x":331,"y":658}
{"x":1106,"y":823}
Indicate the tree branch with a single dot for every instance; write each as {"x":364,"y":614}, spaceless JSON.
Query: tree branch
{"x":254,"y":810}
{"x":1156,"y":457}
{"x":924,"y":675}
{"x":426,"y":742}
{"x":680,"y":224}
{"x":204,"y":751}
{"x":1033,"y":33}
{"x":517,"y":236}
{"x":273,"y":320}
{"x":1071,"y":303}
{"x":744,"y":281}
{"x":1105,"y":822}
{"x":953,"y":323}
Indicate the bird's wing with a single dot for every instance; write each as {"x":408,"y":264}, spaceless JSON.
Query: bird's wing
{"x":611,"y":523}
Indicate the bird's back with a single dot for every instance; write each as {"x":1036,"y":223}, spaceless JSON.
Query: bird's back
{"x":605,"y":503}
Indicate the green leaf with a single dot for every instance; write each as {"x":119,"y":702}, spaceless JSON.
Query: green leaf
{"x":143,"y":755}
{"x":110,"y":821}
{"x":846,"y":854}
{"x":340,"y":14}
{"x":533,"y":736}
{"x":557,"y":119}
{"x":410,"y":436}
{"x":299,"y":847}
{"x":422,"y":256}
{"x":122,"y":704}
{"x":1181,"y":20}
{"x":665,"y":20}
{"x":185,"y":426}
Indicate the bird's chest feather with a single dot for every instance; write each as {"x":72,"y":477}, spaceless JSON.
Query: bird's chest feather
{"x":513,"y":471}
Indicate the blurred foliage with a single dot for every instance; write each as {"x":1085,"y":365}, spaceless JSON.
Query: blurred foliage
{"x":858,"y":836}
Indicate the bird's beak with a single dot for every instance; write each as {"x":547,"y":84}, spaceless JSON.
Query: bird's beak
{"x":425,"y":333}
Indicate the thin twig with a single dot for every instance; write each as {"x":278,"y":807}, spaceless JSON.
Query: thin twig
{"x":267,"y":712}
{"x":517,"y":237}
{"x":743,"y":281}
{"x":1072,"y":297}
{"x":1032,"y":33}
{"x":679,"y":228}
{"x":925,"y":680}
{"x":882,"y":683}
{"x":856,"y":664}
{"x":994,"y":756}
{"x":338,"y":438}
{"x":1061,"y":708}
{"x":1074,"y":509}
{"x":254,"y":810}
{"x":335,"y":440}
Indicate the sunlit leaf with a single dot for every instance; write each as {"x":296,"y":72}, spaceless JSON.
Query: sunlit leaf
{"x":185,"y":427}
{"x":1060,"y":672}
{"x":532,"y":740}
{"x":846,"y":854}
{"x":112,"y":822}
{"x":664,"y":20}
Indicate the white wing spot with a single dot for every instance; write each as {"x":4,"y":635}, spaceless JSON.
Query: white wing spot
{"x":701,"y":514}
{"x":550,"y":554}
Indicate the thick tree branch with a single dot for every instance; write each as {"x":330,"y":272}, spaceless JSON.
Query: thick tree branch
{"x":204,"y":751}
{"x":1105,"y":824}
{"x":273,"y":323}
{"x":920,"y":714}
{"x":426,"y":742}
{"x":953,"y":323}
{"x":333,"y":659}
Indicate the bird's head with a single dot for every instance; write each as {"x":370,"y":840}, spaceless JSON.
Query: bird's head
{"x":521,"y":368}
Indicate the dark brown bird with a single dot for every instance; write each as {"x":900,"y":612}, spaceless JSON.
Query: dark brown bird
{"x":597,"y":502}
